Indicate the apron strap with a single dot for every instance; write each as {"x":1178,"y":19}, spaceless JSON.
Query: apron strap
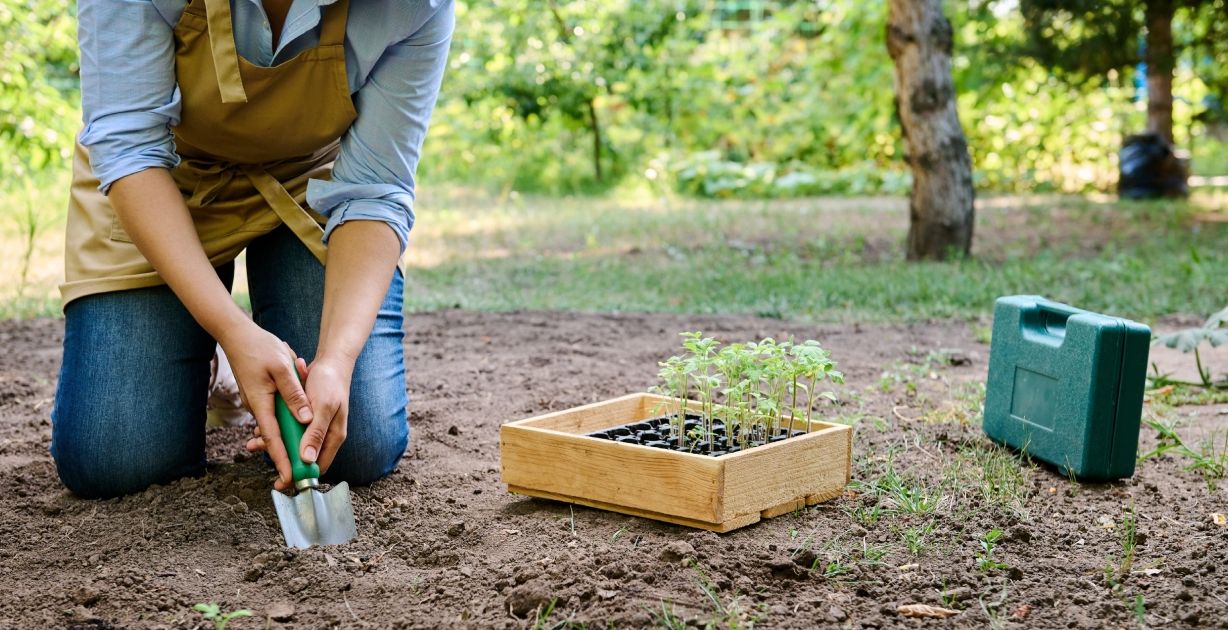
{"x":332,"y":33}
{"x":225,"y":55}
{"x":288,"y":210}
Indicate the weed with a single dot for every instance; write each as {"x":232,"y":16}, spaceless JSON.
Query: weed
{"x":997,"y":473}
{"x":871,"y":554}
{"x":213,"y":612}
{"x":1209,"y":459}
{"x":916,"y":539}
{"x":948,"y":598}
{"x":667,"y":618}
{"x":985,"y":560}
{"x":542,"y":619}
{"x":1214,"y":332}
{"x":993,"y":610}
{"x":1129,"y":527}
{"x":617,"y":534}
{"x":726,"y":614}
{"x":866,"y":515}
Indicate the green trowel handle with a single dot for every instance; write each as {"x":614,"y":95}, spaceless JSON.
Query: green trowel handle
{"x":292,"y":434}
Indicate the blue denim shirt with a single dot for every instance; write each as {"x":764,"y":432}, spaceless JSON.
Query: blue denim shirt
{"x":395,"y":53}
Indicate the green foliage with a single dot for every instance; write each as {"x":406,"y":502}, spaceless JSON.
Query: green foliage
{"x":578,"y":96}
{"x":213,"y":612}
{"x":797,"y":102}
{"x":38,"y":86}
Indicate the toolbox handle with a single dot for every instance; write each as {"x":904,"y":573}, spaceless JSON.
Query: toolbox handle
{"x":1049,"y":319}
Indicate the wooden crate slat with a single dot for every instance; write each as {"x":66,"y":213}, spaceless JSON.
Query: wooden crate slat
{"x":719,"y":528}
{"x":813,"y":464}
{"x":635,"y":476}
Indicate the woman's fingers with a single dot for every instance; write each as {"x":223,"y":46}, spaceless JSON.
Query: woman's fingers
{"x":314,"y":438}
{"x":266,"y":419}
{"x":291,"y":390}
{"x":335,"y":438}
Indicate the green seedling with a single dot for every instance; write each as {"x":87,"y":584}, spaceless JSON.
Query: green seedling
{"x":1140,"y":612}
{"x":756,"y":389}
{"x":213,"y":612}
{"x":617,"y":534}
{"x":985,"y":560}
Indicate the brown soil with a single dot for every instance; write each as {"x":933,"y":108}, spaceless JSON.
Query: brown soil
{"x":442,"y":544}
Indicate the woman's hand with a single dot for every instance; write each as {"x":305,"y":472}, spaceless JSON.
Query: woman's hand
{"x":328,"y":389}
{"x":264,"y":366}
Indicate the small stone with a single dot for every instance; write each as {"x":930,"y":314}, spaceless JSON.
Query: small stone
{"x":296,"y":584}
{"x":456,"y":529}
{"x":837,"y":614}
{"x":677,"y":550}
{"x":454,"y":430}
{"x":86,"y":596}
{"x":280,"y":611}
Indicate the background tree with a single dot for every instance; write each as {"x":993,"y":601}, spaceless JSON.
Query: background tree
{"x":1085,"y":40}
{"x":919,"y":40}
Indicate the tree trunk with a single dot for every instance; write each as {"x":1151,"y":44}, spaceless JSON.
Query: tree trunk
{"x":1159,"y":18}
{"x":919,"y":39}
{"x":596,"y":126}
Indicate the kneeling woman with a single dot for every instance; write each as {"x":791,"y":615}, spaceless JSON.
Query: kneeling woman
{"x":289,"y":129}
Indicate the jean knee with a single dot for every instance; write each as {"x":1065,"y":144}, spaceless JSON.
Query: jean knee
{"x":103,"y":470}
{"x":105,"y":464}
{"x":372,"y":448}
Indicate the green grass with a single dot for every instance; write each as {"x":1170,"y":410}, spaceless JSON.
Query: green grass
{"x":822,"y":260}
{"x":817,"y":260}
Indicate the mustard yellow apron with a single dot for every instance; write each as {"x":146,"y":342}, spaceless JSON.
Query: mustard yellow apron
{"x":249,"y":138}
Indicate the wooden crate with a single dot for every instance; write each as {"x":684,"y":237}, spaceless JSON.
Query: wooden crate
{"x":550,"y":457}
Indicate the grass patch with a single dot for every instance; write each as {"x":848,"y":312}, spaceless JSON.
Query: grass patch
{"x":820,"y":260}
{"x":815,"y":260}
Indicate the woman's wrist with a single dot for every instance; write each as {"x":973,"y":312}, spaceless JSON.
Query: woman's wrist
{"x":226,"y":322}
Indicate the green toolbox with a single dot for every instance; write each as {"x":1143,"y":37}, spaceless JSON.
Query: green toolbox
{"x":1066,"y":386}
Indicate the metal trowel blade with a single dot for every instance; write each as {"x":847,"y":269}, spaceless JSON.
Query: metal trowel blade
{"x":312,"y":517}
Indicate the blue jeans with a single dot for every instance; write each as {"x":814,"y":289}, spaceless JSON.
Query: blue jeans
{"x":130,"y":403}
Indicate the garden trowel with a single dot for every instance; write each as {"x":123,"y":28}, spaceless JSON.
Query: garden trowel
{"x":312,"y":516}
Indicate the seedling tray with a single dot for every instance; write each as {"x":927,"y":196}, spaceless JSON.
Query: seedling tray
{"x":550,"y":457}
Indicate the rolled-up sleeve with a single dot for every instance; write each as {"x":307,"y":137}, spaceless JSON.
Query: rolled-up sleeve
{"x":129,"y":98}
{"x":373,"y":179}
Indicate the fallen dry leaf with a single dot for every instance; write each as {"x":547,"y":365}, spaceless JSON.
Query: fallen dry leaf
{"x":511,"y":532}
{"x":908,"y":567}
{"x":925,"y":611}
{"x":1021,"y":612}
{"x":1219,"y":519}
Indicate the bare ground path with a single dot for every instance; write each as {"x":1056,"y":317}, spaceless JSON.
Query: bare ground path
{"x":441,"y":544}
